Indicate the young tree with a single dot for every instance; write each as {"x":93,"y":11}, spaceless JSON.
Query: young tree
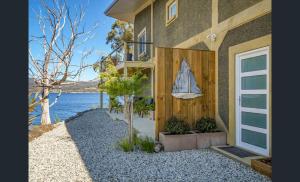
{"x":61,"y":33}
{"x":116,"y":85}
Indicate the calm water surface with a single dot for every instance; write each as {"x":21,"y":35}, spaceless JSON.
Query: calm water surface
{"x":69,"y":104}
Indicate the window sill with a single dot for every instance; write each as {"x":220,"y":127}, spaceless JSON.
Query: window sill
{"x":168,"y":22}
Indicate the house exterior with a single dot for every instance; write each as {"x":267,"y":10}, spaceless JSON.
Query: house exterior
{"x":240,"y":34}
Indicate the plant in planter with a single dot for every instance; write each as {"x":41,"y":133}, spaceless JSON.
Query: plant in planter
{"x":207,"y":134}
{"x":177,"y":136}
{"x":176,"y":126}
{"x":206,"y":125}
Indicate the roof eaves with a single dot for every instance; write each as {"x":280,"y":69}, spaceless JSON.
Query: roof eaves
{"x":110,"y":6}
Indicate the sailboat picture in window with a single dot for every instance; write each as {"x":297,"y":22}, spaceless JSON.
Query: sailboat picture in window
{"x":185,"y":85}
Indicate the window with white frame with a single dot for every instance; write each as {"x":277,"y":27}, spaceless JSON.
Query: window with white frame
{"x":171,"y":11}
{"x":141,"y":44}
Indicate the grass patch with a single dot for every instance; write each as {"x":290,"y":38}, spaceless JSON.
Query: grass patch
{"x":146,"y":144}
{"x":38,"y":131}
{"x":124,"y":145}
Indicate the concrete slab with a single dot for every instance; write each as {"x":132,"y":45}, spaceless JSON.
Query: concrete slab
{"x":145,"y":126}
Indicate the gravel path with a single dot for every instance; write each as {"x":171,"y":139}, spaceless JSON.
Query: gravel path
{"x":84,"y":150}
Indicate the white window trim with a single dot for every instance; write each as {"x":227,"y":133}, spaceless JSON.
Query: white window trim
{"x":256,"y":52}
{"x":139,"y":35}
{"x":168,"y":4}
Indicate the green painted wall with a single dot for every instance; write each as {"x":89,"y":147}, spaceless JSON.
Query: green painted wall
{"x":228,"y":8}
{"x":254,"y":29}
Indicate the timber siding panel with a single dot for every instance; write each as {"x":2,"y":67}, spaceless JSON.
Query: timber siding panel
{"x":202,"y":64}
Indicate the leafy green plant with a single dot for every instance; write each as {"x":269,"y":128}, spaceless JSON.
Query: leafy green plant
{"x":206,"y":125}
{"x":143,"y":143}
{"x":142,"y":107}
{"x":116,"y":85}
{"x":144,"y":58}
{"x":125,"y":145}
{"x":146,"y":144}
{"x":176,"y":126}
{"x":115,"y":105}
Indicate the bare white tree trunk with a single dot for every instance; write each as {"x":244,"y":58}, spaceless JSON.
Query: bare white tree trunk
{"x":45,"y":119}
{"x":55,"y":19}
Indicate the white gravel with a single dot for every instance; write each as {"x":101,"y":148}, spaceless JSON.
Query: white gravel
{"x":84,"y":150}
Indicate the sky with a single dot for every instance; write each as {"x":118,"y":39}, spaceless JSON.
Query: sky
{"x":94,"y":14}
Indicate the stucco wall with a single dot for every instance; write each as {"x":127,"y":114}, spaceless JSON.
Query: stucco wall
{"x":194,"y":16}
{"x":254,"y":29}
{"x":228,"y":8}
{"x":200,"y":46}
{"x":147,"y":84}
{"x":142,"y":20}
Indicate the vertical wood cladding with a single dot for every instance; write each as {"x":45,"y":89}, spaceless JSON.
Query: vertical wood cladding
{"x":202,"y":64}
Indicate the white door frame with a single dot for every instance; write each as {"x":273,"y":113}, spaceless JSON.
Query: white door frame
{"x":239,"y":126}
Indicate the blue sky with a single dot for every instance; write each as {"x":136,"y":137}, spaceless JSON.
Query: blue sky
{"x":94,"y":13}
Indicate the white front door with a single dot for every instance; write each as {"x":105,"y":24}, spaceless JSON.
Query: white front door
{"x":252,"y":98}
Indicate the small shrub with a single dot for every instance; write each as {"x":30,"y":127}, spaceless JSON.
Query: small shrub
{"x":124,"y":145}
{"x":142,"y":106}
{"x":176,"y":126}
{"x":135,"y":139}
{"x":146,"y":144}
{"x":206,"y":125}
{"x":57,"y":119}
{"x":115,"y":105}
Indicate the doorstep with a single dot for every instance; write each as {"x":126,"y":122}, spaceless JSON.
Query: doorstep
{"x":243,"y":160}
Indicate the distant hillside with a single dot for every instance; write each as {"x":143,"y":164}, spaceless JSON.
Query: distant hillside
{"x":71,"y":86}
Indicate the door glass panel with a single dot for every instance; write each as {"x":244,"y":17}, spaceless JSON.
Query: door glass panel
{"x":254,"y":138}
{"x":254,"y":101}
{"x":254,"y":119}
{"x":254,"y":63}
{"x":254,"y":82}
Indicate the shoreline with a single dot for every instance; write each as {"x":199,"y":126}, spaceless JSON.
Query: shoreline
{"x":76,"y":92}
{"x":35,"y":131}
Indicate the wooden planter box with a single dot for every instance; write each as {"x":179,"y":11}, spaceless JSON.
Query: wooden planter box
{"x":205,"y":140}
{"x":178,"y":142}
{"x":261,"y":167}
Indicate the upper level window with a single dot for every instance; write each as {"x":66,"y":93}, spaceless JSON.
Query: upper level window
{"x":171,"y":11}
{"x":141,"y":39}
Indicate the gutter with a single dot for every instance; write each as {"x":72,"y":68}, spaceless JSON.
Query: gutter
{"x":110,"y":6}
